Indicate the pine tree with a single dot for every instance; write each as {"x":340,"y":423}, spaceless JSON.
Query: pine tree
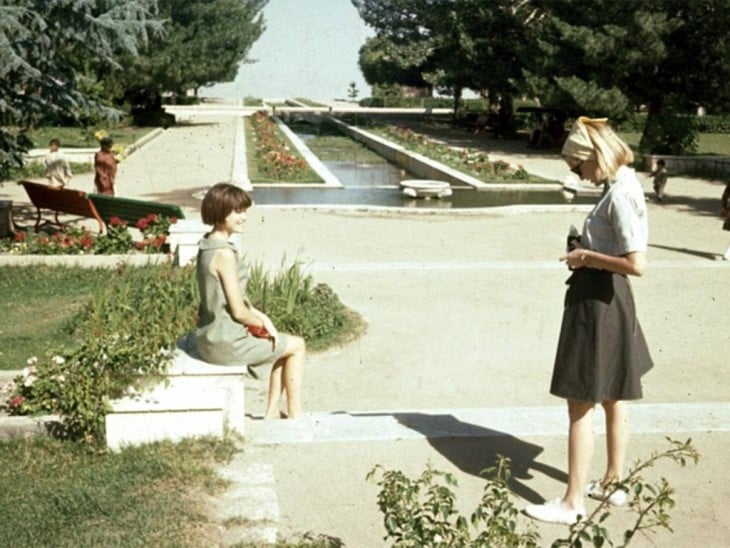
{"x":44,"y":47}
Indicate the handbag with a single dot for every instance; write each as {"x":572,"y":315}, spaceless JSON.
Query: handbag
{"x":259,"y":332}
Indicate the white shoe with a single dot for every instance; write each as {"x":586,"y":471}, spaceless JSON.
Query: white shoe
{"x":615,"y":497}
{"x":553,"y":512}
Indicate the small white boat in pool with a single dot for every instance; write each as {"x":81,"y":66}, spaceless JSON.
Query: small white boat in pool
{"x":426,"y":188}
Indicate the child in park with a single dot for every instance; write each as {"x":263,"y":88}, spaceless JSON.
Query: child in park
{"x":230,"y":330}
{"x":58,"y":172}
{"x":659,"y":176}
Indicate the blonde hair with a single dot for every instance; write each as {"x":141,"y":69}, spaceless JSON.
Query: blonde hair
{"x":609,"y":151}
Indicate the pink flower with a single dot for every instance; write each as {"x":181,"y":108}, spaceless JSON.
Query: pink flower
{"x":142,"y":224}
{"x":15,"y":402}
{"x":116,"y":221}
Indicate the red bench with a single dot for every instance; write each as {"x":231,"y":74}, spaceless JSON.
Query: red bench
{"x":60,"y":200}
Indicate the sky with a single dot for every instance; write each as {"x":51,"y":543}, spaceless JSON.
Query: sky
{"x":309,"y":49}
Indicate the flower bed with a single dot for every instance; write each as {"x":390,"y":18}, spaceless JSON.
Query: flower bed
{"x":273,"y":158}
{"x":154,"y":230}
{"x":472,"y":162}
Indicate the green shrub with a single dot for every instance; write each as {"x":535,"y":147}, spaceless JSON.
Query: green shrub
{"x":127,"y":333}
{"x":128,"y":330}
{"x":297,"y":305}
{"x":422,"y":512}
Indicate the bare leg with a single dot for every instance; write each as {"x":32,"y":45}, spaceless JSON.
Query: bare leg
{"x":275,"y":389}
{"x":580,"y":452}
{"x":286,"y":375}
{"x":617,"y":438}
{"x":293,"y":375}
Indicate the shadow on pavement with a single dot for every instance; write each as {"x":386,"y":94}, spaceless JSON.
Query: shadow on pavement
{"x":472,"y":448}
{"x":693,"y":252}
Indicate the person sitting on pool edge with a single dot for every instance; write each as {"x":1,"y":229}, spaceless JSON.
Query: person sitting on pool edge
{"x":230,"y":330}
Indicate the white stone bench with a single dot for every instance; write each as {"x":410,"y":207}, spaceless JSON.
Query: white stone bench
{"x":195,"y":399}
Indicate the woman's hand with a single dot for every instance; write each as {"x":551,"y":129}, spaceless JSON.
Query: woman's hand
{"x":269,"y":325}
{"x":576,"y":258}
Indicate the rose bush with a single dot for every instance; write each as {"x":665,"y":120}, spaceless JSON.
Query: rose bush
{"x":71,"y":240}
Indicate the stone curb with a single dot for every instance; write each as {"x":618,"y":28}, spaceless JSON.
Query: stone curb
{"x":25,"y":427}
{"x":85,"y":261}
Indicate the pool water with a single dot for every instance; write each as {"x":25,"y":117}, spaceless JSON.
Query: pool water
{"x":392,"y":197}
{"x":371,"y":184}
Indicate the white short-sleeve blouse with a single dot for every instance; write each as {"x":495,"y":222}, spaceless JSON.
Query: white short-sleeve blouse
{"x":619,"y":222}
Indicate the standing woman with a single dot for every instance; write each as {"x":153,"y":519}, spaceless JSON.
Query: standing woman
{"x":602,"y":353}
{"x":105,"y":168}
{"x":230,"y":330}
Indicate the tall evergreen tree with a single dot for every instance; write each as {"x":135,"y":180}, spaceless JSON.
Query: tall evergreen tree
{"x":204,"y":42}
{"x":42,"y":46}
{"x":609,"y":57}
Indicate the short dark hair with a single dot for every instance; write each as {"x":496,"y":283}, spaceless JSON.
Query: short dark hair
{"x":220,"y":200}
{"x":660,"y":162}
{"x":106,"y":142}
{"x":54,"y":142}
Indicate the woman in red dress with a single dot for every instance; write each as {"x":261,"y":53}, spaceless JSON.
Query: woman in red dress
{"x":105,"y":168}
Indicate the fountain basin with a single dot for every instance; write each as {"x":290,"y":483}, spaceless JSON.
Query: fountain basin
{"x":426,"y":188}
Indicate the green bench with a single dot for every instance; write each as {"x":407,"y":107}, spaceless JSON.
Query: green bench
{"x":131,"y":210}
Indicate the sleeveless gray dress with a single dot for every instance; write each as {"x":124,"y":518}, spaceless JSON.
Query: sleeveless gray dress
{"x":219,"y":338}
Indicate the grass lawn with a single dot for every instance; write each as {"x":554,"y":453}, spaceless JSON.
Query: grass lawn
{"x":253,"y":102}
{"x":39,"y":303}
{"x":79,"y":137}
{"x":61,"y":494}
{"x":708,"y":143}
{"x":256,"y":176}
{"x":38,"y":169}
{"x":342,"y":148}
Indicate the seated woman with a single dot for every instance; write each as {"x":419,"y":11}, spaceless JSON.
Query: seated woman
{"x":230,"y":330}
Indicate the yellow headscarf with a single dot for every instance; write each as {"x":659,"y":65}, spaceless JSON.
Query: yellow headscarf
{"x":578,"y":144}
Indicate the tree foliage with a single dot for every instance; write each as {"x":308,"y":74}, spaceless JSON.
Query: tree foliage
{"x":609,"y":57}
{"x":204,"y":42}
{"x":43,"y":46}
{"x":449,"y":45}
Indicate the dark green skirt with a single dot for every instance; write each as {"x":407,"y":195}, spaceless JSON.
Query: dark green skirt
{"x":602,"y":353}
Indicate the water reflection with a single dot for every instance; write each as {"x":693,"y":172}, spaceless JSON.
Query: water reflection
{"x":392,"y":197}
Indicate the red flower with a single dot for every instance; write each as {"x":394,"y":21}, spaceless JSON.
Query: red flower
{"x":142,"y":224}
{"x":139,"y":245}
{"x":152,"y":217}
{"x":16,"y":401}
{"x":116,"y":221}
{"x":173,"y":220}
{"x":19,"y":237}
{"x":159,"y":241}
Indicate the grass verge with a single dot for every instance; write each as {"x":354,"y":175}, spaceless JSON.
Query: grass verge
{"x":83,"y":137}
{"x":61,"y":494}
{"x":707,"y":143}
{"x":39,"y":305}
{"x":38,"y":169}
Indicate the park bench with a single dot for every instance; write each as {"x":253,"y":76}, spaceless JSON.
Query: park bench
{"x":131,"y":210}
{"x":60,"y":200}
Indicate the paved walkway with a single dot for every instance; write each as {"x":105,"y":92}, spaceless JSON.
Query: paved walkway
{"x":463,"y":315}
